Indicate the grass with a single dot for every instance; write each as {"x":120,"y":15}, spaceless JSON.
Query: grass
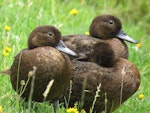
{"x":24,"y":15}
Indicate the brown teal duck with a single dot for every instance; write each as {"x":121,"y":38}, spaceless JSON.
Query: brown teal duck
{"x":113,"y":78}
{"x":41,"y":72}
{"x":104,"y":28}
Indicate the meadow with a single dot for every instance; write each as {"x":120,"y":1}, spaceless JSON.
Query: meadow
{"x":20,"y":17}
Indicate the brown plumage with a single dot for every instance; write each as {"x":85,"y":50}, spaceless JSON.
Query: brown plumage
{"x":104,"y":28}
{"x":49,"y":62}
{"x":117,"y":82}
{"x":103,"y":55}
{"x":44,"y":36}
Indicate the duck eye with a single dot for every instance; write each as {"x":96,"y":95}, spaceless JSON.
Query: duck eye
{"x":111,"y":22}
{"x":50,"y":34}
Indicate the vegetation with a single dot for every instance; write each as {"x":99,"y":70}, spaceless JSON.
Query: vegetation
{"x":20,"y":17}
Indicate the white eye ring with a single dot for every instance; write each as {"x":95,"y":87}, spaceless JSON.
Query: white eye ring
{"x":111,"y":22}
{"x":50,"y":34}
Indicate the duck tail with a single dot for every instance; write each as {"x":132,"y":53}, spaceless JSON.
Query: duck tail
{"x":5,"y":72}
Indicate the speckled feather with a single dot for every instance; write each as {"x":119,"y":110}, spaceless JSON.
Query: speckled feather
{"x":50,"y":63}
{"x":110,"y":80}
{"x":82,"y":45}
{"x":104,"y":28}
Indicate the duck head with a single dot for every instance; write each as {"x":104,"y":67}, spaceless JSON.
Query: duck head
{"x":48,"y":36}
{"x":107,"y":27}
{"x":103,"y":54}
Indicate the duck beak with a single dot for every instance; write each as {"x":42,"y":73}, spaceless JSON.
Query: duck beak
{"x":62,"y":47}
{"x":122,"y":35}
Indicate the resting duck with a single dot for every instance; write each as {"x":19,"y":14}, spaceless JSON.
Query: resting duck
{"x":104,"y":28}
{"x":116,"y":81}
{"x":42,"y":64}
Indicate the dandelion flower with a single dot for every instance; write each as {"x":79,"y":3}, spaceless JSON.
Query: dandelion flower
{"x":7,"y":28}
{"x":138,"y":45}
{"x":7,"y":49}
{"x":87,"y":33}
{"x":5,"y":54}
{"x":1,"y":109}
{"x":73,"y":12}
{"x":141,"y":96}
{"x":72,"y":110}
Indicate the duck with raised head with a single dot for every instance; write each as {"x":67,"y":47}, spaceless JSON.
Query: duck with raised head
{"x":43,"y":61}
{"x":104,"y":28}
{"x":113,"y":78}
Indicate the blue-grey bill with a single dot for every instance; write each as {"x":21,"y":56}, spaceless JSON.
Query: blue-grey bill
{"x":63,"y":48}
{"x":122,"y":35}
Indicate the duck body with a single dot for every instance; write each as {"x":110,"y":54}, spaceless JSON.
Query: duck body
{"x":82,"y":45}
{"x":117,"y":78}
{"x":115,"y":86}
{"x":43,"y":60}
{"x":50,"y":64}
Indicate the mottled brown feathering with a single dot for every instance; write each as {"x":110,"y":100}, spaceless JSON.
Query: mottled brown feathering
{"x":103,"y":55}
{"x":44,"y":36}
{"x":50,"y":65}
{"x":118,"y":83}
{"x":82,"y":45}
{"x":119,"y":79}
{"x":104,"y":28}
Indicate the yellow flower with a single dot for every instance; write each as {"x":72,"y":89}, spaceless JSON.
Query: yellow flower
{"x":138,"y":45}
{"x":1,"y":109}
{"x":72,"y":110}
{"x":87,"y":33}
{"x":7,"y":28}
{"x":7,"y":49}
{"x":141,"y":96}
{"x":5,"y":53}
{"x":73,"y":12}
